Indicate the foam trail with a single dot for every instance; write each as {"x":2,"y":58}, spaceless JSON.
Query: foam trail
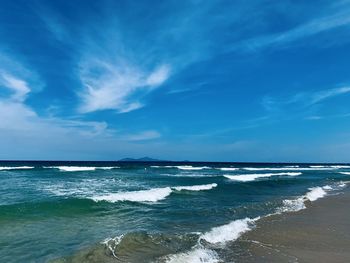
{"x":252,"y":177}
{"x":290,"y":168}
{"x":152,"y":195}
{"x":196,"y":255}
{"x":346,"y":173}
{"x":228,"y":169}
{"x":73,"y":168}
{"x":314,"y":194}
{"x":183,"y":167}
{"x":195,"y":187}
{"x":16,"y":168}
{"x":108,"y":167}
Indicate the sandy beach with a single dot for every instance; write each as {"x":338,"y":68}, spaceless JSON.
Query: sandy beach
{"x":320,"y":233}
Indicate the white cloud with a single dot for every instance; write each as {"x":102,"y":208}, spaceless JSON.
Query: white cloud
{"x":307,"y":29}
{"x":158,"y":76}
{"x":18,"y":86}
{"x":145,"y":135}
{"x":117,"y":86}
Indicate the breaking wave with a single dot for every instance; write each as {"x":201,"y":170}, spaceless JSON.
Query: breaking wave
{"x":151,"y":195}
{"x":16,"y":168}
{"x":253,"y":177}
{"x":81,"y":168}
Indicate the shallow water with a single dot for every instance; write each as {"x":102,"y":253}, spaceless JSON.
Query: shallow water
{"x":144,"y":212}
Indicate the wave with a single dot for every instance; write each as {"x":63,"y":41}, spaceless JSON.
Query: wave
{"x":346,"y":173}
{"x":195,"y":187}
{"x":151,"y":195}
{"x":196,"y":255}
{"x":81,"y":168}
{"x":315,"y":193}
{"x":289,"y":168}
{"x":218,"y":236}
{"x":16,"y":168}
{"x":228,"y":232}
{"x":253,"y":177}
{"x":183,"y":167}
{"x":228,"y":169}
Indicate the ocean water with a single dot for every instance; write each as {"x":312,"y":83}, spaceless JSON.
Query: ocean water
{"x":147,"y":212}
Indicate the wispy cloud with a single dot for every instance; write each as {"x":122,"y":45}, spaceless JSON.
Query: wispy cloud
{"x":118,"y":87}
{"x":142,"y":136}
{"x":304,"y":30}
{"x":18,"y":86}
{"x":302,"y":100}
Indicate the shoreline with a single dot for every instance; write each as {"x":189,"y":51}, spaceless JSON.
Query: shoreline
{"x":319,"y":233}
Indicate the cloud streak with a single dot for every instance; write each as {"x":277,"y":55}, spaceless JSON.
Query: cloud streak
{"x":116,"y":86}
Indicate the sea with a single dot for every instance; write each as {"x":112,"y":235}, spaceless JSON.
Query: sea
{"x":148,"y":211}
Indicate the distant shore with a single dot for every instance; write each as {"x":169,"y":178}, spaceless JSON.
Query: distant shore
{"x":320,"y":233}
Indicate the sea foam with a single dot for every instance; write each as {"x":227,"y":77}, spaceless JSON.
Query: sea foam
{"x":228,"y":232}
{"x":252,"y":177}
{"x":196,"y":255}
{"x":151,"y":195}
{"x":315,"y":193}
{"x":183,"y":167}
{"x":81,"y":168}
{"x":218,"y":236}
{"x":228,"y":169}
{"x":195,"y":187}
{"x":289,"y":168}
{"x":16,"y":167}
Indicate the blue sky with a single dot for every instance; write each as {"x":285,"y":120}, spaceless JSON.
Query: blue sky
{"x":194,"y":80}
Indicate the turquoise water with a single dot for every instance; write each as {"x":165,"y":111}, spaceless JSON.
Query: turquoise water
{"x":156,"y":212}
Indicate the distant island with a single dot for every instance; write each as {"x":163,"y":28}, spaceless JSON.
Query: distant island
{"x":143,"y":159}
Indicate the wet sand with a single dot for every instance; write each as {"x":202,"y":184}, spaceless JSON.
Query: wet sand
{"x":320,"y":233}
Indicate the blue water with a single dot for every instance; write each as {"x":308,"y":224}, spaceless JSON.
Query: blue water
{"x":49,"y":210}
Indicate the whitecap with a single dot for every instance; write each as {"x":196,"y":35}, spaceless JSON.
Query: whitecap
{"x":346,"y":173}
{"x":16,"y":167}
{"x":252,"y":177}
{"x":73,"y":168}
{"x":228,"y":232}
{"x":228,"y":169}
{"x":288,"y":168}
{"x":183,"y":167}
{"x":152,"y":195}
{"x":195,"y":187}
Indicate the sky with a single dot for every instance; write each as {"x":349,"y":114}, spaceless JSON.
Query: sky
{"x":261,"y":81}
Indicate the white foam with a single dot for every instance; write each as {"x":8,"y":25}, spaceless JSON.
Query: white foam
{"x":16,"y":168}
{"x":228,"y":169}
{"x":183,"y":167}
{"x":112,"y":243}
{"x":292,"y":205}
{"x":195,"y":187}
{"x":346,"y":173}
{"x":196,"y":255}
{"x":107,"y":167}
{"x":316,"y":193}
{"x":152,"y":195}
{"x":252,"y":177}
{"x":229,"y":232}
{"x":289,"y":168}
{"x":73,"y":168}
{"x":340,"y":166}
